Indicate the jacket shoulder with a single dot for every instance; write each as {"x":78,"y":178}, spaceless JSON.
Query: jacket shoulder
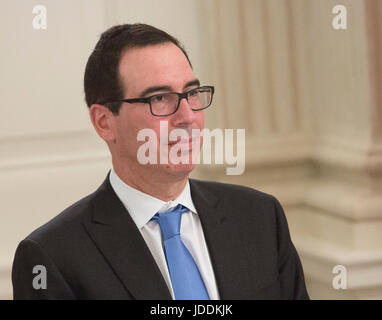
{"x":239,"y":192}
{"x":62,"y":225}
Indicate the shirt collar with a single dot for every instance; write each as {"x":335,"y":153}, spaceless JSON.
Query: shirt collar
{"x":141,"y":206}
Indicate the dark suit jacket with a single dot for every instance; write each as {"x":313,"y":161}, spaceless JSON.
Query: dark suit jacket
{"x":93,"y":249}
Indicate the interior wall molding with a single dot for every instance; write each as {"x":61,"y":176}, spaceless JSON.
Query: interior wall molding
{"x":5,"y":281}
{"x":364,"y":269}
{"x":274,"y":150}
{"x":51,"y":149}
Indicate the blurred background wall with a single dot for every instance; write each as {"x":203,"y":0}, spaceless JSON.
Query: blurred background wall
{"x":309,"y":97}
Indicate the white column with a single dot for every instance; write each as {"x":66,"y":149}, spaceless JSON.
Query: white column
{"x":310,"y":99}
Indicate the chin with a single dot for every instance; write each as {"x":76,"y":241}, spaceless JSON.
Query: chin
{"x":184,"y":163}
{"x":180,"y":170}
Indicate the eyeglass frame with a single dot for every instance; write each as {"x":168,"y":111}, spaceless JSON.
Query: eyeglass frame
{"x":181,"y":96}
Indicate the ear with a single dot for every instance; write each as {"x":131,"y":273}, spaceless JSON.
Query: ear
{"x":103,"y":121}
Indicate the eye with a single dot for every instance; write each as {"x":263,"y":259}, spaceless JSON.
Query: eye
{"x":193,"y":93}
{"x":157,"y":98}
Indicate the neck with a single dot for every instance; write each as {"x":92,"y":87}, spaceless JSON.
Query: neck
{"x":165,"y":188}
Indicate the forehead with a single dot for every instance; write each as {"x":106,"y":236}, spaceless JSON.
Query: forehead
{"x":156,"y":65}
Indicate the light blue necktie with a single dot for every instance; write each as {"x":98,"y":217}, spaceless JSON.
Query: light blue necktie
{"x":185,"y":277}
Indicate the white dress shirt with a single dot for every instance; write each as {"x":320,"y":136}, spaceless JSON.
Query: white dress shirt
{"x":142,"y":207}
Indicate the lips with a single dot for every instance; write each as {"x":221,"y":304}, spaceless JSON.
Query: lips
{"x":183,"y":140}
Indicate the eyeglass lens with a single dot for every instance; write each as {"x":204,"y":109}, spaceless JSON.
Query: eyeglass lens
{"x":164,"y":104}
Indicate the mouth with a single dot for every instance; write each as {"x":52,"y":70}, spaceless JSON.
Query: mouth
{"x":184,"y":149}
{"x":183,"y":141}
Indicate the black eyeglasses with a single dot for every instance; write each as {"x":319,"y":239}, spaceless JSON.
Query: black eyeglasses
{"x":165,"y":104}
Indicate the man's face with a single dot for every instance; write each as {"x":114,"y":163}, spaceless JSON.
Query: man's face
{"x":154,"y":69}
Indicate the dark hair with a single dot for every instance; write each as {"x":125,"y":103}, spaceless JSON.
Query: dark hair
{"x":102,"y":80}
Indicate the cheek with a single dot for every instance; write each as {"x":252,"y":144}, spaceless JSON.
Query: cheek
{"x":130,"y":127}
{"x":126,"y":135}
{"x":200,"y":120}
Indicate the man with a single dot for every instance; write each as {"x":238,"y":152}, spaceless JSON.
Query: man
{"x":150,"y":232}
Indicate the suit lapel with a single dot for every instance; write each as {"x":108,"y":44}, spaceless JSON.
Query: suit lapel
{"x":120,"y":242}
{"x":224,"y":241}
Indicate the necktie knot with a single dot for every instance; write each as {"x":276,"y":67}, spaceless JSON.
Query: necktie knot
{"x":169,"y":221}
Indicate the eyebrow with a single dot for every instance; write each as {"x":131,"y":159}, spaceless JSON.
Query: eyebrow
{"x":149,"y":90}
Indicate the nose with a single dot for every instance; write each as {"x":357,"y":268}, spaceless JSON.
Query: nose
{"x":184,"y":114}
